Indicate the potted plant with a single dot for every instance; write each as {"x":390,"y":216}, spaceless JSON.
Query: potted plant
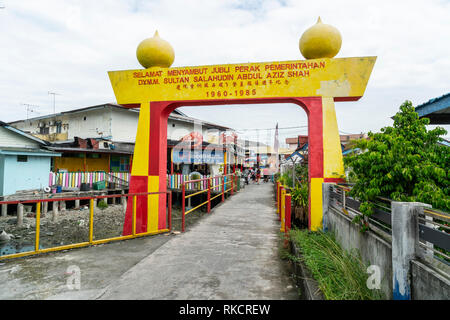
{"x":300,"y":201}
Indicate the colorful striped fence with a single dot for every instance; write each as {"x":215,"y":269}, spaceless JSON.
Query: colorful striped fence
{"x":75,"y":179}
{"x":174,"y":181}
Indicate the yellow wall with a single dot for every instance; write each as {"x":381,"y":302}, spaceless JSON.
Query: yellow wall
{"x":333,"y":163}
{"x":52,"y":136}
{"x":77,"y":164}
{"x":315,"y":191}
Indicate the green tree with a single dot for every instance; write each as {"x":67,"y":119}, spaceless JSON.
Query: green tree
{"x":403,"y":162}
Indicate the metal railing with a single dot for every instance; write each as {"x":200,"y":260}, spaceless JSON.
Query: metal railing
{"x":75,"y":179}
{"x":379,"y":221}
{"x":116,"y":180}
{"x":223,"y":184}
{"x":174,"y":182}
{"x":91,"y":241}
{"x":433,"y":226}
{"x":434,"y":233}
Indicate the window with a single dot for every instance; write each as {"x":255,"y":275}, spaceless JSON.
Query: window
{"x":44,"y":130}
{"x":124,"y":164}
{"x":84,"y":118}
{"x":21,"y":158}
{"x":72,"y":155}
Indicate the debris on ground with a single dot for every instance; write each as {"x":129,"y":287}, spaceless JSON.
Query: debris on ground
{"x":71,"y":226}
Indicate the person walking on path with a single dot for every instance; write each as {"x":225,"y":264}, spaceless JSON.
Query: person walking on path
{"x":258,"y":175}
{"x":246,"y":174}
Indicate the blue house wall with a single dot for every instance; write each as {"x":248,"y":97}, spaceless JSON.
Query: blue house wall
{"x":2,"y":161}
{"x":15,"y":175}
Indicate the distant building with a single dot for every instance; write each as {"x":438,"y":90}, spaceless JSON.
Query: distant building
{"x":301,"y":141}
{"x":106,"y":121}
{"x":299,"y":146}
{"x":293,"y":143}
{"x":24,"y":161}
{"x":102,"y":137}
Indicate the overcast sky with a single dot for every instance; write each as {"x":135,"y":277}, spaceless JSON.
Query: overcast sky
{"x":68,"y":46}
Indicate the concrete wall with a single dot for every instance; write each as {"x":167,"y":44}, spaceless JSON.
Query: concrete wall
{"x":417,"y":276}
{"x":373,"y":249}
{"x":178,"y":129}
{"x":124,"y":125}
{"x":32,"y":126}
{"x":90,"y":124}
{"x":427,"y":283}
{"x":33,"y":174}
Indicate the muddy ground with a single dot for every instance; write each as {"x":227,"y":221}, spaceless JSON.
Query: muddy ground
{"x":71,"y":226}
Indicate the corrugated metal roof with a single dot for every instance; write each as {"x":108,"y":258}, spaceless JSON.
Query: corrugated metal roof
{"x":433,"y":100}
{"x":70,"y":149}
{"x":445,"y":143}
{"x":28,"y":151}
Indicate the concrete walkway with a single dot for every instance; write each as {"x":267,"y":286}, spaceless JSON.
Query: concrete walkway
{"x":231,"y":254}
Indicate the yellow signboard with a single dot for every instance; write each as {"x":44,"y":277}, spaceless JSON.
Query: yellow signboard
{"x":338,"y":78}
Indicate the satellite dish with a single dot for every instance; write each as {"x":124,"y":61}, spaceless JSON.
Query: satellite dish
{"x":47,"y":189}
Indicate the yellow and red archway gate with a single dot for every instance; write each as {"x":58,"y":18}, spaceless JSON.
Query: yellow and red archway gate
{"x":314,"y":85}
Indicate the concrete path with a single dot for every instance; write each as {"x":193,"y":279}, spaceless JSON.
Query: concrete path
{"x":231,"y":254}
{"x":46,"y":276}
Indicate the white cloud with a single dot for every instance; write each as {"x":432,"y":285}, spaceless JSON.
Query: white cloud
{"x":68,"y":47}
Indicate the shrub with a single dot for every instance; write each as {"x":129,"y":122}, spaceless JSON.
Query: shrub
{"x":102,"y":204}
{"x":341,"y":275}
{"x":403,"y":162}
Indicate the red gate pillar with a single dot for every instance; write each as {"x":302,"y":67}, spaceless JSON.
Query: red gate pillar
{"x":315,"y":161}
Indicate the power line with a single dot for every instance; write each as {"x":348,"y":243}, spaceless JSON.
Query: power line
{"x":255,"y":129}
{"x":346,"y":132}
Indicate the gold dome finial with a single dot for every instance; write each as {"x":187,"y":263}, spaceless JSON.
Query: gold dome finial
{"x":320,"y":41}
{"x":155,"y":52}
